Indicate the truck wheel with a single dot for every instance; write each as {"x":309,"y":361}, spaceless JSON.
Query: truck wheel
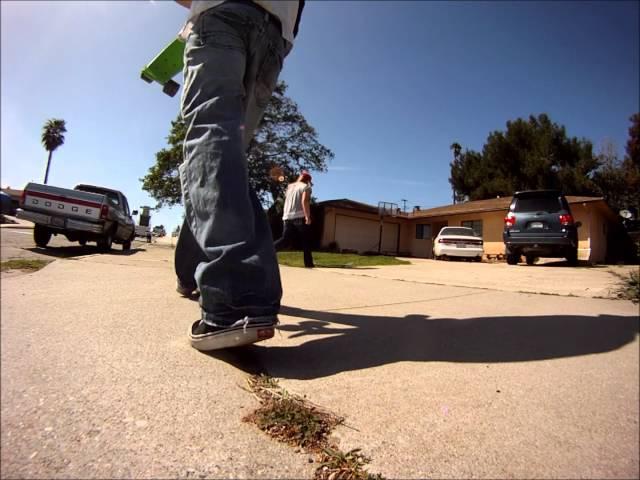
{"x":41,"y":235}
{"x":572,"y":258}
{"x":530,"y":259}
{"x":104,"y":244}
{"x":513,"y":258}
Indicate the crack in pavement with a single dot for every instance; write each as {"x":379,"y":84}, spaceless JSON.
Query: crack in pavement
{"x":408,"y":302}
{"x":489,"y":289}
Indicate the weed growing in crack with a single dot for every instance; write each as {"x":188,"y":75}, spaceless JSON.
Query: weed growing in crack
{"x":337,"y":465}
{"x":289,"y":418}
{"x":297,"y":422}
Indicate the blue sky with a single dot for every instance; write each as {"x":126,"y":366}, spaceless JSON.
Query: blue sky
{"x":388,"y":85}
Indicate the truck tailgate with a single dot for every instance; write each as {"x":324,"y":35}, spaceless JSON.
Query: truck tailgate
{"x":63,"y":202}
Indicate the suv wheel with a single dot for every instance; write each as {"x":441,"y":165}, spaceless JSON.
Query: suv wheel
{"x":530,"y":259}
{"x":513,"y":258}
{"x":572,"y":257}
{"x":41,"y":235}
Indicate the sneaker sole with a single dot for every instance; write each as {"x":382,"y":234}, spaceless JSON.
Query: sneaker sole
{"x":232,"y":337}
{"x":188,"y":293}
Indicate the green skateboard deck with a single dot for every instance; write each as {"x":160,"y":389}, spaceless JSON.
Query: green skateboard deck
{"x":166,"y":65}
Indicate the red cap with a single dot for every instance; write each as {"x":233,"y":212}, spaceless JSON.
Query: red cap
{"x":305,"y":175}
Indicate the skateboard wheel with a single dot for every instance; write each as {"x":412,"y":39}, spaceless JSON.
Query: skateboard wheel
{"x":171,"y":88}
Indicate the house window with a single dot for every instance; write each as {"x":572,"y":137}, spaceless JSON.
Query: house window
{"x":475,"y":225}
{"x":423,"y":231}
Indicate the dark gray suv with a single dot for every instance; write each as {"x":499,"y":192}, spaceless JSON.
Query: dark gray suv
{"x":540,"y":224}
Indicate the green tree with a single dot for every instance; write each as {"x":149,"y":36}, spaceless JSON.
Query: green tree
{"x":631,"y":164}
{"x":633,"y":144}
{"x":531,"y":154}
{"x":283,"y":139}
{"x":618,"y":181}
{"x":610,"y":178}
{"x":52,"y":137}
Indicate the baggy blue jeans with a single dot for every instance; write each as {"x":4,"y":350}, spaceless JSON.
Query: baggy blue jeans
{"x":233,"y":57}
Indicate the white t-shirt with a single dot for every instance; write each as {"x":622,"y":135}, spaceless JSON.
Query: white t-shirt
{"x":293,"y":201}
{"x":285,"y":10}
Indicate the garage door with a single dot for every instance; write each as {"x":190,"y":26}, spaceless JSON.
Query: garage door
{"x":363,"y":235}
{"x":390,"y":232}
{"x":357,"y":233}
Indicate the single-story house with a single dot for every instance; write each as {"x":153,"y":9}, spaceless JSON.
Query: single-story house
{"x":350,"y":225}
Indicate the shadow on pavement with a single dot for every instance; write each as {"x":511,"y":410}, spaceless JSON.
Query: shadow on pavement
{"x":79,"y":251}
{"x":363,"y":341}
{"x":565,"y":264}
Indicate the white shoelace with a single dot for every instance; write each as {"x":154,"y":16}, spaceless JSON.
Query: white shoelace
{"x":244,"y":322}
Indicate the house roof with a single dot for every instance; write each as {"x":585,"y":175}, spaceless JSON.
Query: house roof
{"x":349,"y":204}
{"x":479,"y":206}
{"x":474,"y":206}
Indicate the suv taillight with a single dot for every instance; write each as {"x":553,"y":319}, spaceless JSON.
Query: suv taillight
{"x":104,"y":211}
{"x":566,"y":220}
{"x":23,"y":198}
{"x":510,"y":220}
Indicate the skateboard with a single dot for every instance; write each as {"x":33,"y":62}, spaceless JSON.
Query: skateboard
{"x":166,"y":65}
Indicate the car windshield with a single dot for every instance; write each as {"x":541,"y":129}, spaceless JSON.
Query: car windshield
{"x":538,"y":204}
{"x":467,"y":232}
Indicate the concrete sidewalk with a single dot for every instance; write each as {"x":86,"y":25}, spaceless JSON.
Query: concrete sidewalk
{"x":16,"y":223}
{"x":98,"y":378}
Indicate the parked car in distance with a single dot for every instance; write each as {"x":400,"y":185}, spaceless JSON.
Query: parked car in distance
{"x":159,"y":231}
{"x":458,"y":242}
{"x":144,"y":231}
{"x":539,"y":224}
{"x":7,"y":204}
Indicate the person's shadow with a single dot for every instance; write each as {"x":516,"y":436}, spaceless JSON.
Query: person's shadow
{"x":362,"y":341}
{"x":71,"y":251}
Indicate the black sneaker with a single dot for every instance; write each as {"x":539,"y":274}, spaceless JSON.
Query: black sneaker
{"x":243,"y":332}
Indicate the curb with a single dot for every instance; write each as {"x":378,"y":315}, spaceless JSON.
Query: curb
{"x":10,"y":226}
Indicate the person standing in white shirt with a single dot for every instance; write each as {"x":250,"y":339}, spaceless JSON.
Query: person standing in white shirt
{"x":296,"y":216}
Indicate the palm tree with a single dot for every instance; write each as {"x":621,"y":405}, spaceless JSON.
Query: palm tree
{"x":52,"y":137}
{"x":456,"y":148}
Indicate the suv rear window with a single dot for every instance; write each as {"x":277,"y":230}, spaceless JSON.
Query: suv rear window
{"x":538,"y":204}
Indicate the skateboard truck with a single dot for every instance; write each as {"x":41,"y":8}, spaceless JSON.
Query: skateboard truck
{"x":166,"y":65}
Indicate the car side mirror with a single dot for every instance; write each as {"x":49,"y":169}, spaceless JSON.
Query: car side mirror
{"x":134,"y":213}
{"x":578,"y":224}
